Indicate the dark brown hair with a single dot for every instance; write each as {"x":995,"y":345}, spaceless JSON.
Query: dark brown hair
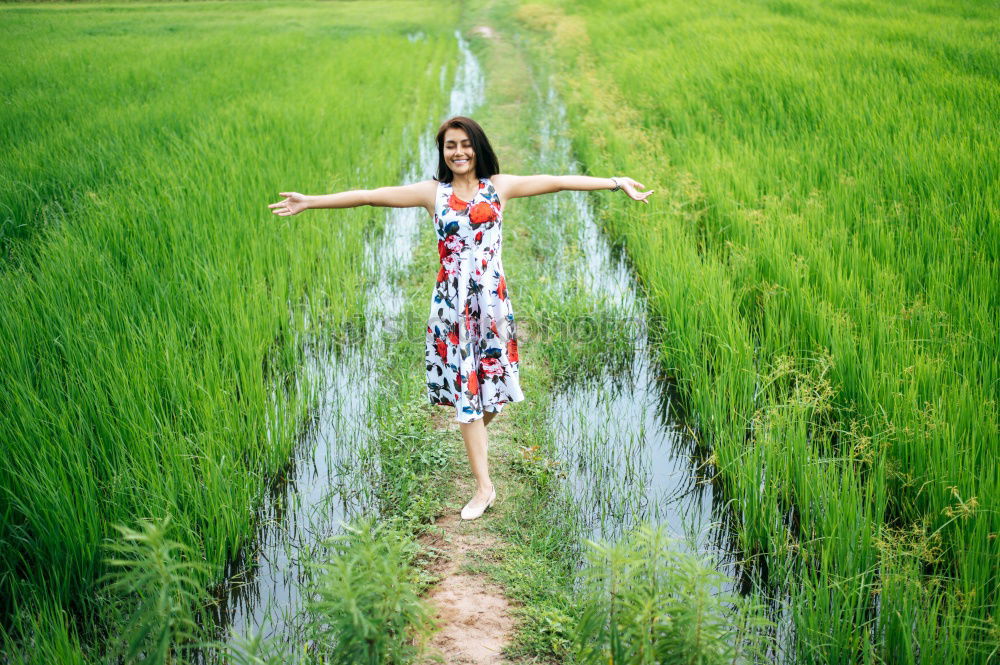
{"x":486,"y":159}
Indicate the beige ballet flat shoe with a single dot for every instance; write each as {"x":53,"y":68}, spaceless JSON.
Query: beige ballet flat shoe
{"x":469,"y":513}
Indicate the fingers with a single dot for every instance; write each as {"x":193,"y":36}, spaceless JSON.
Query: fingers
{"x":284,"y":208}
{"x":635,"y":186}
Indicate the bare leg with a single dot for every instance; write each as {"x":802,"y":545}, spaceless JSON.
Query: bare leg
{"x":474,"y":434}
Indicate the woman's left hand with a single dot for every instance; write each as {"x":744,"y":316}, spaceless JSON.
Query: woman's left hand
{"x":631,"y":187}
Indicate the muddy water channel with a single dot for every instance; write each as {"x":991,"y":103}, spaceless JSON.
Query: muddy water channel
{"x":329,"y":481}
{"x":626,"y":456}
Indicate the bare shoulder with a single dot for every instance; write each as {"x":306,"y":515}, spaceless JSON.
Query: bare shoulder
{"x":418,"y":194}
{"x":503,"y":182}
{"x":428,"y":191}
{"x":425,"y":187}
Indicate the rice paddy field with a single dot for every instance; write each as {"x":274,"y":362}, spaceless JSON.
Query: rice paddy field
{"x":790,"y":355}
{"x":152,"y":310}
{"x":824,"y":266}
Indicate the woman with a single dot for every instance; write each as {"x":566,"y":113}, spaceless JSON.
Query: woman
{"x":471,"y":347}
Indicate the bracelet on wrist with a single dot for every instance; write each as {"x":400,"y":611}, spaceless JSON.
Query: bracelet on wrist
{"x":617,"y":186}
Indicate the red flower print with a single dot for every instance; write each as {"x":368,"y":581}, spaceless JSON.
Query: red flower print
{"x":453,"y":244}
{"x":453,"y":337}
{"x":484,"y":263}
{"x":502,"y":288}
{"x":442,"y":250}
{"x":481,"y":184}
{"x":512,"y":350}
{"x":479,"y":237}
{"x":442,"y":275}
{"x":493,"y":328}
{"x":482,"y":213}
{"x":473,"y":383}
{"x":492,"y":367}
{"x":441,"y":347}
{"x":450,"y":264}
{"x":456,"y":203}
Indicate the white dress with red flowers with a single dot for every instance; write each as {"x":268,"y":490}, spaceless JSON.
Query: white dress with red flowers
{"x":471,"y":338}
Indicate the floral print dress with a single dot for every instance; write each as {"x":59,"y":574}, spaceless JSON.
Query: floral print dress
{"x":471,"y":338}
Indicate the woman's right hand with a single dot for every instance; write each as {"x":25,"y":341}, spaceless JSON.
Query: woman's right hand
{"x":293,"y":204}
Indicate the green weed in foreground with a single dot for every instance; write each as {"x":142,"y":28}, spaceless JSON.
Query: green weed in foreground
{"x":646,"y":602}
{"x":368,"y":608}
{"x":825,"y":256}
{"x":166,"y":586}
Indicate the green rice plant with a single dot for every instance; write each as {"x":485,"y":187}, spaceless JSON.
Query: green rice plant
{"x":645,"y":601}
{"x":153,"y":331}
{"x":829,"y":210}
{"x":52,"y":636}
{"x":163,"y":585}
{"x":367,"y":608}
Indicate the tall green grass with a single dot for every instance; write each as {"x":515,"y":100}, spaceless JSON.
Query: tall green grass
{"x":824,"y":255}
{"x":152,"y":328}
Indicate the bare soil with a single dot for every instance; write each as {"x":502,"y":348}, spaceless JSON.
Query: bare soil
{"x":473,"y":614}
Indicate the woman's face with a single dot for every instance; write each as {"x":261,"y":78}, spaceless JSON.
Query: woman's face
{"x":458,"y":153}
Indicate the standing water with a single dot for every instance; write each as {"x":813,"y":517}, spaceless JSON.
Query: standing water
{"x":329,"y":480}
{"x":626,"y":458}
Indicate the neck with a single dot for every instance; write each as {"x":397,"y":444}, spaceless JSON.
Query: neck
{"x":465,"y":181}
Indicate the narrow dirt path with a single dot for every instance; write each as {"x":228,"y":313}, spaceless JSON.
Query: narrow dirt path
{"x":474,"y":614}
{"x":476,"y":618}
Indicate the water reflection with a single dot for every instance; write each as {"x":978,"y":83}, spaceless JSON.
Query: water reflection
{"x":626,"y":457}
{"x":326,"y":483}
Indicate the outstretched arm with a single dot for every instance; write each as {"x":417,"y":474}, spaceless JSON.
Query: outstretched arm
{"x":515,"y":186}
{"x":417,"y":195}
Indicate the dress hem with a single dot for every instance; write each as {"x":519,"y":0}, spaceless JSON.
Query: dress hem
{"x":444,"y":403}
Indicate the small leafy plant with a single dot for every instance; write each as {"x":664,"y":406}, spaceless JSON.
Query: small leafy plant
{"x":646,"y":602}
{"x":161,"y":586}
{"x":367,"y":607}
